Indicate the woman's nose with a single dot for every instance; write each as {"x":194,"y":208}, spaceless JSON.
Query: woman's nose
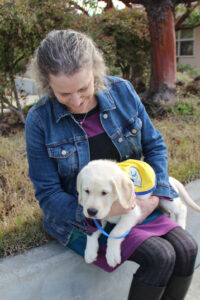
{"x":76,"y":99}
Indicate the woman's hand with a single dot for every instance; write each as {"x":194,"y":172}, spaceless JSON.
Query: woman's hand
{"x":147,"y":206}
{"x":117,"y":209}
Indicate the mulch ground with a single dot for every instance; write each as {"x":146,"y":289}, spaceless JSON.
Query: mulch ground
{"x":10,"y":124}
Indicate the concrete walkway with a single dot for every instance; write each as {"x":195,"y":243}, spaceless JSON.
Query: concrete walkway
{"x":55,"y":273}
{"x":193,"y":226}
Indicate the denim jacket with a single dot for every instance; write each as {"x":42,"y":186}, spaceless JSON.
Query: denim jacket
{"x":57,"y":149}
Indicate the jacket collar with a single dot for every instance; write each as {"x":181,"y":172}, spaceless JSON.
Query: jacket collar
{"x":105,"y":100}
{"x":60,"y":110}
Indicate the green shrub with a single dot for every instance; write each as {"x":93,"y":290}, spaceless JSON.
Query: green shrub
{"x":129,"y":30}
{"x":182,"y":109}
{"x":22,"y":26}
{"x":188,"y":69}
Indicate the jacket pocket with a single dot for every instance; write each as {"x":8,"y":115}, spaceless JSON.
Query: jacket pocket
{"x":132,"y":135}
{"x":66,"y":157}
{"x":134,"y":128}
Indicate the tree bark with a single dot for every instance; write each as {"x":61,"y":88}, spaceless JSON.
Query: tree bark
{"x":163,"y":53}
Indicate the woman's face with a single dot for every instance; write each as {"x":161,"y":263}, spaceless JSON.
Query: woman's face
{"x":75,"y":91}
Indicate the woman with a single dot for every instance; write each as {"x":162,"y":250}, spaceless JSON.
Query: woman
{"x":87,"y":115}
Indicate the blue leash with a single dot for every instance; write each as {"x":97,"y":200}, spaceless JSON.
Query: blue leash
{"x":108,"y":235}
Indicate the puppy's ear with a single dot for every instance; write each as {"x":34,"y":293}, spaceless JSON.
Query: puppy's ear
{"x":124,"y":188}
{"x":79,"y":187}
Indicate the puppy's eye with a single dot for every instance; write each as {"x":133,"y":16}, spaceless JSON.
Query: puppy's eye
{"x":87,"y":191}
{"x":104,"y":193}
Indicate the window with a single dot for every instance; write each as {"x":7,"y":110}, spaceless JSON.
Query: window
{"x":185,"y":42}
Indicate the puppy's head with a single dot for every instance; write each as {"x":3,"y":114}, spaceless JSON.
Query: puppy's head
{"x":99,"y":184}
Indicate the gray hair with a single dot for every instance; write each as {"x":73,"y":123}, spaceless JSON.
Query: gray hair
{"x":66,"y":52}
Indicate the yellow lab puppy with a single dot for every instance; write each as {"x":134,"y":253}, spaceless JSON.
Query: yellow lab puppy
{"x":102,"y":182}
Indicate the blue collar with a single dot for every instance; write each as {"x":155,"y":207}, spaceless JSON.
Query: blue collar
{"x":108,"y":235}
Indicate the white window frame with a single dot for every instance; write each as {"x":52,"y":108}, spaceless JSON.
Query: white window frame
{"x":179,"y":40}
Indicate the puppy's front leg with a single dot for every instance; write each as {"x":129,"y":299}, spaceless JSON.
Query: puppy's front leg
{"x":113,"y":252}
{"x":92,"y":246}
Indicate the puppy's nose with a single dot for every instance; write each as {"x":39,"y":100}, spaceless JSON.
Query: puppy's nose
{"x":92,"y":212}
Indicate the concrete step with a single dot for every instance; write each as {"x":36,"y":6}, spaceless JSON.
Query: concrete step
{"x":56,"y":273}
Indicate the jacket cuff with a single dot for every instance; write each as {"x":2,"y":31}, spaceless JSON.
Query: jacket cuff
{"x":80,"y":218}
{"x":165,"y":198}
{"x":165,"y":190}
{"x":79,"y":214}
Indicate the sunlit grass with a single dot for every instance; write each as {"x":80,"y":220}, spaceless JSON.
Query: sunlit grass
{"x":181,"y":132}
{"x":20,"y":215}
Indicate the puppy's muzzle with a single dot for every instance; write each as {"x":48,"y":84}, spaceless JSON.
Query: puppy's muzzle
{"x":92,"y":212}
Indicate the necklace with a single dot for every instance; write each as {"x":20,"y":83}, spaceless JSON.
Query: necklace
{"x":83,"y":120}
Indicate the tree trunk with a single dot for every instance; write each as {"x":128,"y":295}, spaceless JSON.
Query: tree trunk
{"x":163,"y":53}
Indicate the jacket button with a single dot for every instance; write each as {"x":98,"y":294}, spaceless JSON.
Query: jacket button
{"x":120,"y":140}
{"x":63,"y":152}
{"x":105,"y":116}
{"x":134,"y":131}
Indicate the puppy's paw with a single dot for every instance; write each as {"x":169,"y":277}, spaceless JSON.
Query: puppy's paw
{"x":90,"y":255}
{"x":112,"y":258}
{"x":92,"y":247}
{"x":113,"y":254}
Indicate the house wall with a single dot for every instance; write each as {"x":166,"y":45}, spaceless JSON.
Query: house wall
{"x":195,"y":60}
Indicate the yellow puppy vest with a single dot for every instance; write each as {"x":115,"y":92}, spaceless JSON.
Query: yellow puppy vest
{"x":142,"y":175}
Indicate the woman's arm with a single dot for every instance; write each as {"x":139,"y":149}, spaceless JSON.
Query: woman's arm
{"x":155,"y":154}
{"x":53,"y":200}
{"x":154,"y":150}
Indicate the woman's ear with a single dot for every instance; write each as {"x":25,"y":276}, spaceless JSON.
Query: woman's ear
{"x":79,"y":187}
{"x":124,"y":188}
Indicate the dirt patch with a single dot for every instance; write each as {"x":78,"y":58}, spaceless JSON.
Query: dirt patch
{"x":194,"y":87}
{"x":10,"y":124}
